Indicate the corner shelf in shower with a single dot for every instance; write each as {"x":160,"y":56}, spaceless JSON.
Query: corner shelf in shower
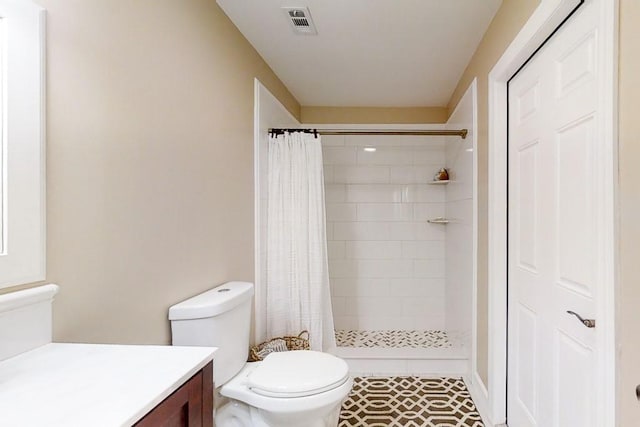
{"x":438,"y":220}
{"x":442,"y":182}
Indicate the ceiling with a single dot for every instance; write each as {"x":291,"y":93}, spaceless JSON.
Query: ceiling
{"x":373,"y":53}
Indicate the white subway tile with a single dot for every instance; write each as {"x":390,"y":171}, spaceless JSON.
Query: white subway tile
{"x":452,"y":149}
{"x":406,"y":231}
{"x":402,"y":175}
{"x":402,"y":322}
{"x":461,"y":211}
{"x":339,"y":155}
{"x":327,"y":172}
{"x":360,"y":287}
{"x":365,"y":269}
{"x":336,"y":249}
{"x":431,"y":231}
{"x":349,"y":323}
{"x":426,"y":287}
{"x":384,"y":268}
{"x":403,"y":287}
{"x":385,"y":212}
{"x":426,"y":249}
{"x":425,"y":211}
{"x":385,"y":156}
{"x":387,"y":264}
{"x":395,"y":142}
{"x":423,"y":193}
{"x":343,"y":268}
{"x":374,"y":306}
{"x":461,"y":171}
{"x":338,"y":306}
{"x":343,"y":286}
{"x":413,"y":174}
{"x":381,"y":322}
{"x":430,"y":321}
{"x":418,"y":306}
{"x":364,"y":140}
{"x":332,"y":140}
{"x":361,"y":231}
{"x":415,"y":231}
{"x":369,"y":322}
{"x":428,"y":156}
{"x":374,"y":287}
{"x":373,"y":249}
{"x":371,"y":193}
{"x":361,"y":174}
{"x":429,"y":268}
{"x":334,"y":193}
{"x":341,"y":211}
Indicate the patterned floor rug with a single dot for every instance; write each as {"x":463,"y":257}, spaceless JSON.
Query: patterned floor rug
{"x":393,"y":339}
{"x":409,"y":402}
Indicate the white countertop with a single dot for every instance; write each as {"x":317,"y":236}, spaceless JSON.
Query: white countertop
{"x":92,"y":384}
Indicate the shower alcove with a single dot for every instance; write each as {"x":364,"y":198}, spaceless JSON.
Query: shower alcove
{"x":400,"y":247}
{"x":400,"y":251}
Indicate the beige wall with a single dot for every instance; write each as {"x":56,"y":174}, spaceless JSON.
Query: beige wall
{"x":373,"y":115}
{"x":628,"y":292}
{"x":508,"y":21}
{"x":149,"y":161}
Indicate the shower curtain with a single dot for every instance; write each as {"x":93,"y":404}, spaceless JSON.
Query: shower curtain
{"x":297,"y":286}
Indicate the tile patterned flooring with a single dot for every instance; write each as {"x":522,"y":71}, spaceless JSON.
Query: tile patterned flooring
{"x":409,"y":402}
{"x":393,"y":339}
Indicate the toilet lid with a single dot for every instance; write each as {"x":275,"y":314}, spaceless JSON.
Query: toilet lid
{"x":298,"y":373}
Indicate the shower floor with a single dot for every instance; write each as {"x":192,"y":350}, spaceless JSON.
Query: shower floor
{"x":398,"y":352}
{"x":393,"y":339}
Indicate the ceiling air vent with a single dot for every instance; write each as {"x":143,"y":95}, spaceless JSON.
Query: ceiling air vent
{"x":300,"y":20}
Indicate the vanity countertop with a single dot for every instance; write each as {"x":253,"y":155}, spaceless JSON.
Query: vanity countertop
{"x":93,"y":384}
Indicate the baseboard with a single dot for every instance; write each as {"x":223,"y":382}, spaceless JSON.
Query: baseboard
{"x":480,"y":397}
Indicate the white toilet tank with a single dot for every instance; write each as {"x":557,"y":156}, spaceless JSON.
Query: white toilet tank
{"x":221,"y":318}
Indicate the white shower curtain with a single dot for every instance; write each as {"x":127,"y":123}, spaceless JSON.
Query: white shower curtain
{"x":297,"y":286}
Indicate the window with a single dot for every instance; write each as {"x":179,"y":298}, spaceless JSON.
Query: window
{"x":22,"y":208}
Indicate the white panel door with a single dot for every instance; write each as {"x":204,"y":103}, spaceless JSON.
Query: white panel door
{"x":554,"y":231}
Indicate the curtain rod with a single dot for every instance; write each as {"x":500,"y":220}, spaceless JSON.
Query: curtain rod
{"x":462,"y":133}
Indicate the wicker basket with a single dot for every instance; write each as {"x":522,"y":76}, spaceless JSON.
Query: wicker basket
{"x":300,"y":342}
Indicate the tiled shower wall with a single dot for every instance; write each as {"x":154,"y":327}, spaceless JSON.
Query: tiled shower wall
{"x":460,"y":235}
{"x":386,"y":263}
{"x":459,"y":258}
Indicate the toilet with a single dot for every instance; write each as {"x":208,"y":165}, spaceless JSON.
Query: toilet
{"x":287,"y":389}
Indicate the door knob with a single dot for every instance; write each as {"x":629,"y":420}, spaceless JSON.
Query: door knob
{"x":589,"y":323}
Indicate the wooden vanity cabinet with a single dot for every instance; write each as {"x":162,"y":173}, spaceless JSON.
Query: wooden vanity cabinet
{"x":189,"y":406}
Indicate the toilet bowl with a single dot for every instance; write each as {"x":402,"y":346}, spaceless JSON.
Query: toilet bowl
{"x":292,"y":389}
{"x":288,"y":389}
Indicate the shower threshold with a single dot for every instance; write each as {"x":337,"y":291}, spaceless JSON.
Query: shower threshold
{"x":385,"y":352}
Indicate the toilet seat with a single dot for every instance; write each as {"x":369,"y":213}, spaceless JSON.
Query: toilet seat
{"x":297,"y":374}
{"x":238,"y":389}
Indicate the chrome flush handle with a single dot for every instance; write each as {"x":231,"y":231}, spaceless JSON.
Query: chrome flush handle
{"x":589,"y":323}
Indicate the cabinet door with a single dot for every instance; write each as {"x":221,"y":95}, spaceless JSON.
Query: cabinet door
{"x":189,"y":406}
